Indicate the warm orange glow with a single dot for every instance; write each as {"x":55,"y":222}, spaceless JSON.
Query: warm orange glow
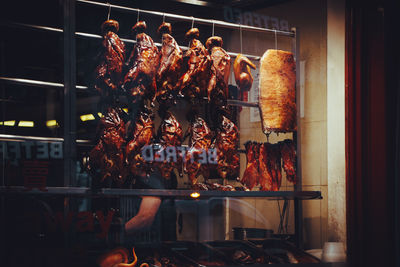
{"x":195,"y":195}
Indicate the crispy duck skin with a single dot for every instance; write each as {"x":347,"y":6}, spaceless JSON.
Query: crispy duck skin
{"x":265,"y":178}
{"x":140,"y":80}
{"x":252,"y":173}
{"x":196,"y":78}
{"x":226,"y":144}
{"x":277,"y":99}
{"x":142,"y":135}
{"x":288,"y":152}
{"x":241,"y":70}
{"x":199,"y":142}
{"x":109,"y":72}
{"x":170,"y":69}
{"x":170,"y":135}
{"x":218,"y":87}
{"x":270,"y":163}
{"x":108,"y":154}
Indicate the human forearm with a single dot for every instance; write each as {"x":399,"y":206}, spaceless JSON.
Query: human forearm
{"x":145,"y":217}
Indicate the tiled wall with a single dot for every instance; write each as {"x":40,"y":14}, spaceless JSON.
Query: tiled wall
{"x":310,"y":17}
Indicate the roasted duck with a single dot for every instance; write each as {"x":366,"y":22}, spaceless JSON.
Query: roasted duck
{"x":277,"y":91}
{"x":109,"y":72}
{"x":108,"y":155}
{"x":170,"y":70}
{"x":196,"y":78}
{"x":226,"y":144}
{"x":218,"y":87}
{"x":196,"y":156}
{"x":142,"y":135}
{"x":140,"y":80}
{"x":170,"y":136}
{"x":251,"y":175}
{"x":241,"y":69}
{"x":288,"y":152}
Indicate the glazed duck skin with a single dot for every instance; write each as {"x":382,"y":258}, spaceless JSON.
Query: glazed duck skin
{"x":199,"y":142}
{"x":226,"y":143}
{"x":170,"y":70}
{"x":109,"y":72}
{"x":251,"y":174}
{"x":140,"y":80}
{"x":170,"y":135}
{"x":288,"y":152}
{"x":241,"y":70}
{"x":195,"y":81}
{"x":218,"y":88}
{"x":142,"y":135}
{"x":108,"y":154}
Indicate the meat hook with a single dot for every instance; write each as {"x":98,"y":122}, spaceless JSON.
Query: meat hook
{"x":109,"y":11}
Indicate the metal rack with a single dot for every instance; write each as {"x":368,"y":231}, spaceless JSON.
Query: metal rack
{"x":180,"y":194}
{"x":69,"y":86}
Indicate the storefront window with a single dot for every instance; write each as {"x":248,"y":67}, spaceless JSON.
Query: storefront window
{"x":174,"y":133}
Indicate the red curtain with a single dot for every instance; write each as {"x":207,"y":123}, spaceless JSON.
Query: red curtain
{"x":372,"y":133}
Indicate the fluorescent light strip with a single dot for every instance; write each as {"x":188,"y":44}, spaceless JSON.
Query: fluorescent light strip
{"x":9,"y":123}
{"x":51,"y":123}
{"x":87,"y":117}
{"x":26,"y":124}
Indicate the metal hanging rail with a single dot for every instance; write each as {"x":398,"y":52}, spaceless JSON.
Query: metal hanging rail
{"x":191,"y":19}
{"x":97,"y":36}
{"x":38,"y":83}
{"x":82,"y":87}
{"x":18,"y":138}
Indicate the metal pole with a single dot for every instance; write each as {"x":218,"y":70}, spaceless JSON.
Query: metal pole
{"x":190,"y":19}
{"x":298,"y":209}
{"x":96,"y":36}
{"x":69,"y":93}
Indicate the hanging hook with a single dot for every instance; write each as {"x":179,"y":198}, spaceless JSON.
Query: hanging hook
{"x":213,"y":26}
{"x":241,"y":42}
{"x":276,"y":41}
{"x":163,"y":17}
{"x":109,"y":11}
{"x":138,"y":14}
{"x":268,"y":134}
{"x":192,"y":22}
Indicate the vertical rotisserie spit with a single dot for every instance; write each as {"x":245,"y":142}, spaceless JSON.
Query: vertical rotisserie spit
{"x":278,"y":91}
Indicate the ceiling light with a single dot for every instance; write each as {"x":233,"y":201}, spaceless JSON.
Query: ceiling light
{"x":99,"y":114}
{"x":51,"y":123}
{"x":9,"y":123}
{"x":26,"y":124}
{"x":87,"y":117}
